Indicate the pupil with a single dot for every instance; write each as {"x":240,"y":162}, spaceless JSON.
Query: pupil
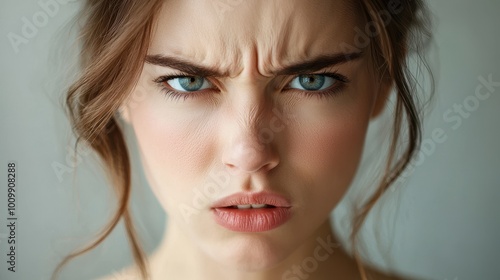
{"x":191,"y":83}
{"x":312,"y":82}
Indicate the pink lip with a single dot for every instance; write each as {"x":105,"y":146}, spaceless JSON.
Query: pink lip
{"x":252,"y":220}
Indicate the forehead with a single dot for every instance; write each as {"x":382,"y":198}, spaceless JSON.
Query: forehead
{"x":272,"y":32}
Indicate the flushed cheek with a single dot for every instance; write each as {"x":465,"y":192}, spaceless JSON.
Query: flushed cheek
{"x":327,"y":154}
{"x":328,"y":143}
{"x":175,"y":151}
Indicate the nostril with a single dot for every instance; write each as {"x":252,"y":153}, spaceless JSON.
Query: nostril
{"x":248,"y":155}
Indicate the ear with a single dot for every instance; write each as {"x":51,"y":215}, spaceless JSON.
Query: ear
{"x":385,"y":88}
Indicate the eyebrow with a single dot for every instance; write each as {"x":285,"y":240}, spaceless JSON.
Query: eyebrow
{"x":311,"y":65}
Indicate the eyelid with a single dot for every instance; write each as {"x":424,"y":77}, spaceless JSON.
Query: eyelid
{"x":341,"y":81}
{"x":332,"y":74}
{"x":165,"y":78}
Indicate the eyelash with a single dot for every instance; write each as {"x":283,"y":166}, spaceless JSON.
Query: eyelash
{"x":341,"y":82}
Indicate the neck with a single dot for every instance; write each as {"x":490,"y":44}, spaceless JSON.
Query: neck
{"x":319,"y":257}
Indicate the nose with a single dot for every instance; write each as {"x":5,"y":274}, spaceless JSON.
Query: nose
{"x":251,"y":144}
{"x":247,"y":156}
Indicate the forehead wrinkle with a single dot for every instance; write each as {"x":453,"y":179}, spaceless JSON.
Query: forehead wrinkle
{"x":255,"y":30}
{"x":232,"y":50}
{"x":199,"y":45}
{"x":275,"y":44}
{"x":221,"y":54}
{"x":286,"y":43}
{"x":274,"y":34}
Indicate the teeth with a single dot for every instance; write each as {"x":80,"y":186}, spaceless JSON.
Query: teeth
{"x":258,"y":205}
{"x":248,"y":206}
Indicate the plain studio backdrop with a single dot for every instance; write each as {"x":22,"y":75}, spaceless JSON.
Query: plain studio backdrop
{"x":440,"y":222}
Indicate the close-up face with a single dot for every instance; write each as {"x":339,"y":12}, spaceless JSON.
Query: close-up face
{"x":282,"y":108}
{"x":251,"y":140}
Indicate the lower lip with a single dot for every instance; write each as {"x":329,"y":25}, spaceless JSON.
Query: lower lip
{"x":252,"y":220}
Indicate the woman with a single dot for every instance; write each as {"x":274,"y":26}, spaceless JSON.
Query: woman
{"x":250,"y":117}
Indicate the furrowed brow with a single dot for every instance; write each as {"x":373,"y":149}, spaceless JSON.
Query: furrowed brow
{"x":184,"y":66}
{"x":308,"y":66}
{"x":318,"y":63}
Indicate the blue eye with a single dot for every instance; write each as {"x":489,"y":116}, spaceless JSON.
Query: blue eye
{"x":312,"y":82}
{"x":311,"y":85}
{"x":188,"y":83}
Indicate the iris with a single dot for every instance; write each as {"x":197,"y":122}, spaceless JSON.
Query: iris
{"x":312,"y":82}
{"x":191,"y":83}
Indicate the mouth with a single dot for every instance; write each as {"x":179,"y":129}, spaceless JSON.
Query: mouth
{"x":252,"y":212}
{"x":250,"y":206}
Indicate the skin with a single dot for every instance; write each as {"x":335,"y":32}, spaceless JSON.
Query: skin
{"x":214,"y":141}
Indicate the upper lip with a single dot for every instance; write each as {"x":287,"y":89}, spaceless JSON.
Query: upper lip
{"x":243,"y":198}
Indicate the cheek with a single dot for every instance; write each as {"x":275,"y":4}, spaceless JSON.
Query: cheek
{"x":331,"y":151}
{"x":327,"y":161}
{"x":326,"y":152}
{"x":175,"y":151}
{"x":172,"y":147}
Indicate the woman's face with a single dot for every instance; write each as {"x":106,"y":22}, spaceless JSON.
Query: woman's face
{"x":283,"y":109}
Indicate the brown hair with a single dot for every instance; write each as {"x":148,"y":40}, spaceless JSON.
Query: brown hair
{"x":115,"y":38}
{"x":408,"y":30}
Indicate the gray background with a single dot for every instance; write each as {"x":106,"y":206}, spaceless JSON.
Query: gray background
{"x":441,"y":222}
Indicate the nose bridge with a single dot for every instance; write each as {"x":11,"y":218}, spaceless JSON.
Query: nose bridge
{"x":251,"y":114}
{"x":247,"y":147}
{"x":251,"y":100}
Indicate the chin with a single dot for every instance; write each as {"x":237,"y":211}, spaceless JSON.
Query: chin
{"x":249,"y":252}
